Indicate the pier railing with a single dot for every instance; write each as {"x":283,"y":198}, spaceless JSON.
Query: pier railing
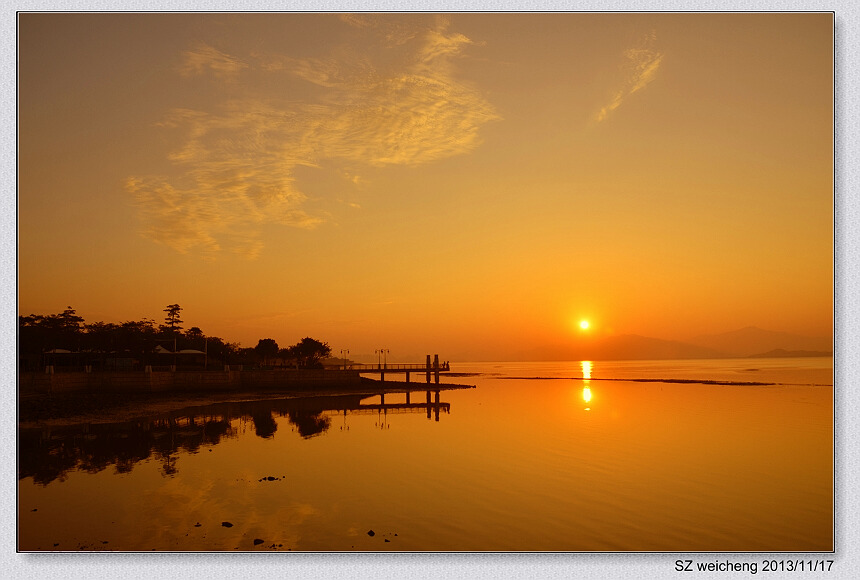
{"x":399,"y":367}
{"x":433,"y":367}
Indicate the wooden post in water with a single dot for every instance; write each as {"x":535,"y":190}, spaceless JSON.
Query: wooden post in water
{"x":407,"y":397}
{"x":436,"y":366}
{"x":437,"y":405}
{"x":407,"y":376}
{"x":428,"y":376}
{"x":428,"y":396}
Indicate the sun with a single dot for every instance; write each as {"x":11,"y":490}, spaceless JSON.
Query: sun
{"x":583,"y":324}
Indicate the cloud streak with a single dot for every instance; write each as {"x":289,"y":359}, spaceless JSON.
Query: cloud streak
{"x":234,"y":168}
{"x":233,"y":173}
{"x":205,"y":58}
{"x":640,"y":69}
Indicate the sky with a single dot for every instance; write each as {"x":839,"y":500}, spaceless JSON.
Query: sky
{"x":472,"y":185}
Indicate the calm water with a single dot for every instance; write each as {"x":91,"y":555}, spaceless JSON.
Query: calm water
{"x":540,"y":456}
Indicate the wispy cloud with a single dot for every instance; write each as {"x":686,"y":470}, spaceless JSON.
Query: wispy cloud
{"x":640,"y":68}
{"x":394,"y":30}
{"x":233,"y":173}
{"x":205,"y":58}
{"x":235,"y":166}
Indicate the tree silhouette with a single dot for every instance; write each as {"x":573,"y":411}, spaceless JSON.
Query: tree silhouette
{"x":193,"y":333}
{"x":266,"y":349}
{"x":220,"y":350}
{"x":172,"y":319}
{"x":69,"y":320}
{"x":101,"y":339}
{"x":133,"y":343}
{"x":310,"y":352}
{"x":39,"y":334}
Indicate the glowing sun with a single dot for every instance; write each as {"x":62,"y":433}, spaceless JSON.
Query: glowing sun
{"x":583,"y":324}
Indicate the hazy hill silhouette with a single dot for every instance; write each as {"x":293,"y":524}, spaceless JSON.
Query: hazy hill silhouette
{"x":782,"y":353}
{"x":635,"y":347}
{"x":753,"y":341}
{"x":619,"y":347}
{"x":746,"y":342}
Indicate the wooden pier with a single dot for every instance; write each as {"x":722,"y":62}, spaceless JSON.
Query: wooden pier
{"x":429,"y":368}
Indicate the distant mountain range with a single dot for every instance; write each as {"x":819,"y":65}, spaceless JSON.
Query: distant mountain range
{"x":746,"y":342}
{"x":633,"y":347}
{"x":752,"y":341}
{"x":782,"y":353}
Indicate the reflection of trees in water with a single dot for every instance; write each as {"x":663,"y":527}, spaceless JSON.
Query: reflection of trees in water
{"x":306,"y":414}
{"x":264,"y":424}
{"x":308,"y":422}
{"x":53,"y":456}
{"x":48,"y":455}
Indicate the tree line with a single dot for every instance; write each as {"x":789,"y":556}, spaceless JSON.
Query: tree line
{"x":65,"y":338}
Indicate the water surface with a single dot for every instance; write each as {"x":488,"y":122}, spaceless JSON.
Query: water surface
{"x":540,"y":456}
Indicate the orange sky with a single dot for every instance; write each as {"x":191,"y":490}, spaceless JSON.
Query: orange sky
{"x":472,"y":185}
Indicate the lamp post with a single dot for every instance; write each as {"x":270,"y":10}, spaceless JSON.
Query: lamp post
{"x":343,"y":353}
{"x":382,"y":361}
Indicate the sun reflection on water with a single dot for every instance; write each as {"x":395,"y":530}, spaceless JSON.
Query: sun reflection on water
{"x":586,"y":379}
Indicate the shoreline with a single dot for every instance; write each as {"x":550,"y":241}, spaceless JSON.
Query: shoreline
{"x":61,"y":410}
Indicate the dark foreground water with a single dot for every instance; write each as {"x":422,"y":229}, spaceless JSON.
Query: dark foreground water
{"x":621,"y":456}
